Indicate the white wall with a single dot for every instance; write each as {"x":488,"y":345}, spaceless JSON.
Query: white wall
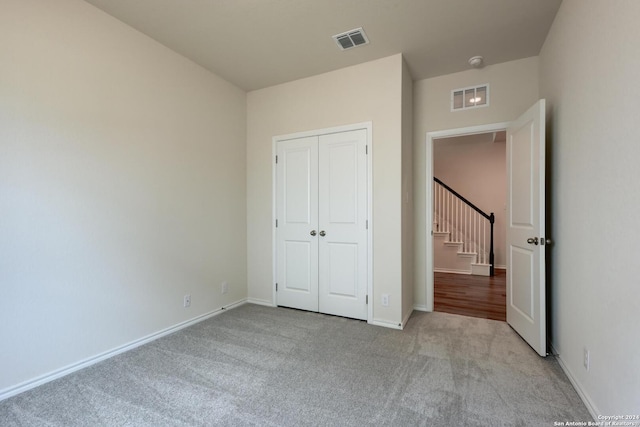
{"x":122,"y":187}
{"x":475,"y":167}
{"x":588,"y":73}
{"x":367,"y":92}
{"x":514,"y":88}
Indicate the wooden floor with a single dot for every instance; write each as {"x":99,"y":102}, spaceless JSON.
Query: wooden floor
{"x":474,"y":296}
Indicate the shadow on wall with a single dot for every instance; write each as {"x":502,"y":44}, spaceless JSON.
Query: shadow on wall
{"x":549,"y":162}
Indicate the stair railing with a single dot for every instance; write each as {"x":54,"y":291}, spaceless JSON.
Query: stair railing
{"x":465,"y":221}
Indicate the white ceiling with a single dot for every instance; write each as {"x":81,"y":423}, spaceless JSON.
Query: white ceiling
{"x":260,"y":43}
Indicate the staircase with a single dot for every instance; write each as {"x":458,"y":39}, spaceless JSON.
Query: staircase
{"x":462,"y":234}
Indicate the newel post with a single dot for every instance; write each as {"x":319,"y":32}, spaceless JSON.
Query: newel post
{"x":492,"y":219}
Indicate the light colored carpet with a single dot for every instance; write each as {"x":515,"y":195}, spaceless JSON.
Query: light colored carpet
{"x":266,"y":366}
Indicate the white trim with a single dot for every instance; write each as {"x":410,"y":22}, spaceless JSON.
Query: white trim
{"x":431,"y":136}
{"x":58,"y":373}
{"x":369,"y":127}
{"x":451,"y":271}
{"x":386,"y":324}
{"x":274,"y":214}
{"x":420,"y":307}
{"x":318,"y":132}
{"x":591,"y":407}
{"x":263,"y":302}
{"x":406,"y":319}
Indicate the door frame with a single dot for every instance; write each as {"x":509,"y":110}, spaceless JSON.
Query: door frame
{"x":431,"y":136}
{"x":368,"y":126}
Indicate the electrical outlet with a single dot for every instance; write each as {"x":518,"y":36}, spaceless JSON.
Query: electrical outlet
{"x":224,"y":287}
{"x":385,"y":300}
{"x":187,"y":301}
{"x":587,"y":359}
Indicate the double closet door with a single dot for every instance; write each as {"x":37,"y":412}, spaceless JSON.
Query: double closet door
{"x":321,"y":233}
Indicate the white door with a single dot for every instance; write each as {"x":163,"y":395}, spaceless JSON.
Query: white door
{"x":526,"y":303}
{"x":297,"y":216}
{"x":321,"y":234}
{"x":343,"y":224}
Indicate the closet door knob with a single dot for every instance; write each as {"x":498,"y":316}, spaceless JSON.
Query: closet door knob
{"x":313,"y":232}
{"x":322,"y":233}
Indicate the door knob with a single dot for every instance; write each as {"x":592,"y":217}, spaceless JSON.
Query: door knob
{"x":322,"y":233}
{"x":313,"y":232}
{"x":532,"y":240}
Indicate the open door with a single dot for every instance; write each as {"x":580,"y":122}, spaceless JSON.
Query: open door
{"x":526,"y":242}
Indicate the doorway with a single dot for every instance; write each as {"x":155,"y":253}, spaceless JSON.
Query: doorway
{"x":469,"y":197}
{"x":431,"y":138}
{"x":526,"y":236}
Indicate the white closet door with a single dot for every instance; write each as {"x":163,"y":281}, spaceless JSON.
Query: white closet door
{"x":297,"y":214}
{"x":342,"y":232}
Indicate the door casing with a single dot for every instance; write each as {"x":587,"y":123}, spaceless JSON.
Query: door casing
{"x":368,"y":126}
{"x":431,"y":136}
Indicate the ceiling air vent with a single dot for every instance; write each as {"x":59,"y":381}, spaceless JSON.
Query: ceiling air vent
{"x":351,"y":38}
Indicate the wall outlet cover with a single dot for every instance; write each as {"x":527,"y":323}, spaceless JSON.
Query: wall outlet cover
{"x":385,"y":300}
{"x":587,"y":357}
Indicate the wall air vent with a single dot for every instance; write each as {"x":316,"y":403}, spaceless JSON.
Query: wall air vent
{"x":470,"y":97}
{"x":351,"y":38}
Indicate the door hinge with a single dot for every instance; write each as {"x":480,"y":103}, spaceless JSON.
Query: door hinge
{"x":276,"y":287}
{"x":367,"y":222}
{"x":366,"y":149}
{"x":276,"y":223}
{"x":276,"y":159}
{"x":366,"y":299}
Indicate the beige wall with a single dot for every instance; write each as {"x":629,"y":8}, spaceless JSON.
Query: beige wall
{"x":589,"y":78}
{"x":407,"y":193}
{"x":366,"y":92}
{"x":122,"y":187}
{"x":475,"y":167}
{"x":514,"y":88}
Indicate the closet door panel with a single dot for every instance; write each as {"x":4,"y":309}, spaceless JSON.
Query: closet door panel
{"x":297,"y":214}
{"x":342,"y":195}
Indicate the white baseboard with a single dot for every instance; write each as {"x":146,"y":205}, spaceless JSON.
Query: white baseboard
{"x":385,"y":324}
{"x":260,"y":302}
{"x":420,"y":307}
{"x":591,"y":407}
{"x":406,"y":319}
{"x":35,"y":382}
{"x":447,"y":270}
